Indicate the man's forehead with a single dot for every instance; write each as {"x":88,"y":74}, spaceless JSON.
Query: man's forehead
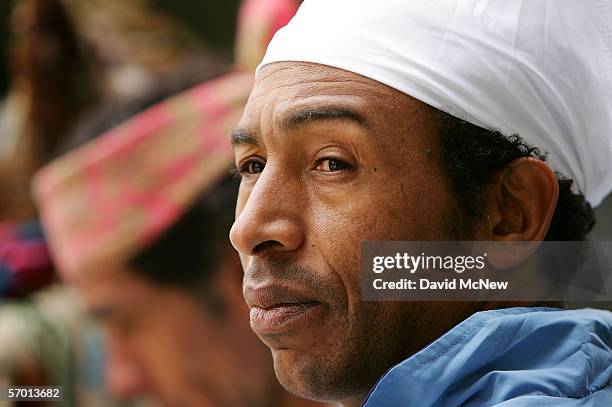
{"x":284,"y":88}
{"x":312,"y":78}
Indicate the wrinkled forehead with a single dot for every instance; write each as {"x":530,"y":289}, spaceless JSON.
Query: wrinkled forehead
{"x":282,"y":87}
{"x":335,"y":80}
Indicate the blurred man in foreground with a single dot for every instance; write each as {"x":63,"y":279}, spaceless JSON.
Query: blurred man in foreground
{"x":395,"y":120}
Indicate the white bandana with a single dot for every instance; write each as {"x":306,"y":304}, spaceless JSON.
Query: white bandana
{"x":538,"y":68}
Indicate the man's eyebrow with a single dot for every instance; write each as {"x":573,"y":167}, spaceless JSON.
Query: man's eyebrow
{"x":240,"y":136}
{"x":302,"y":117}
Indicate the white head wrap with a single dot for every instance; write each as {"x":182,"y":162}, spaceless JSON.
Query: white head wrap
{"x":538,"y":68}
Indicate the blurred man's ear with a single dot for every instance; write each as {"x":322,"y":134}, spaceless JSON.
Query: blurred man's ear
{"x":520,"y":203}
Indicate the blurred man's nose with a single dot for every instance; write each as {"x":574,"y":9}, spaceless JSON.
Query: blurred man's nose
{"x":272,"y":216}
{"x":124,"y":377}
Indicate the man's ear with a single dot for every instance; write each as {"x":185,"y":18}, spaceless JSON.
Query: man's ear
{"x":520,"y":203}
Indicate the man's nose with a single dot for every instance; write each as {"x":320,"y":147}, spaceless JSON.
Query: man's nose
{"x":124,"y":378}
{"x":272,"y":216}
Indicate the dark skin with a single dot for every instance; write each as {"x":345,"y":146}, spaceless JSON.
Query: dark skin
{"x":330,"y":158}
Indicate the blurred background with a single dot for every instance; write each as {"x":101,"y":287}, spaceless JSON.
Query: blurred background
{"x":69,"y":68}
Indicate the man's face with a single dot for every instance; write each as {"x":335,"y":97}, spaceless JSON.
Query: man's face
{"x":163,"y":343}
{"x":329,"y":159}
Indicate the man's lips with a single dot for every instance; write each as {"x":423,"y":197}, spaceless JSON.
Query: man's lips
{"x":277,"y":309}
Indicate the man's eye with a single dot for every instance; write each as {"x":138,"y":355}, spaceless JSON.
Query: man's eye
{"x":251,"y":167}
{"x":331,"y":165}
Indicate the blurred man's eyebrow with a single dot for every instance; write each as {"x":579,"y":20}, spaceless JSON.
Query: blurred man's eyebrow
{"x":300,"y":118}
{"x":102,"y":312}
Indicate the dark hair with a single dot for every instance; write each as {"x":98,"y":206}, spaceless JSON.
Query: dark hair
{"x":471,"y":154}
{"x":187,"y":254}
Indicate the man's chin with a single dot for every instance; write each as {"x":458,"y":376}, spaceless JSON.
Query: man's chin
{"x":294,"y":370}
{"x":321,"y":377}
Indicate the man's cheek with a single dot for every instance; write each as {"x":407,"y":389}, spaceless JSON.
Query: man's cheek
{"x":343,"y":255}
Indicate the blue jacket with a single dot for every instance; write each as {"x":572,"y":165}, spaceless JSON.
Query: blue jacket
{"x":509,"y":357}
